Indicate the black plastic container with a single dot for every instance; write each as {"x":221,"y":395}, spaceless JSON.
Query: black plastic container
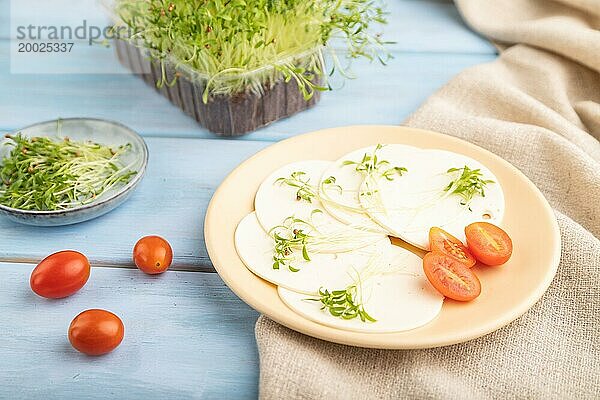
{"x":223,"y":114}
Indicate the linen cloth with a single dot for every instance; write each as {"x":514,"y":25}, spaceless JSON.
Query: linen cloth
{"x":537,"y":106}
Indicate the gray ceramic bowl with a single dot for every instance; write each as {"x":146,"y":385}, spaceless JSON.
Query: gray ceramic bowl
{"x":104,"y":132}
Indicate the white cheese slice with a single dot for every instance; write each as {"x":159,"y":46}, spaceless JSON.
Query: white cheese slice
{"x":276,"y":201}
{"x":256,"y":248}
{"x":344,"y":202}
{"x":410,"y":205}
{"x":399,"y":300}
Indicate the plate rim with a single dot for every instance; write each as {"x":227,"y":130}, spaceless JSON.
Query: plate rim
{"x":483,"y":330}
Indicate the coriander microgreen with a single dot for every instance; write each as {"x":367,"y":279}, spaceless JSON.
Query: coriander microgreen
{"x":293,"y":234}
{"x":45,"y":174}
{"x":348,"y":303}
{"x":390,"y":173}
{"x":373,"y":167}
{"x":371,"y":164}
{"x":468,"y":184}
{"x":343,"y":303}
{"x":297,"y":180}
{"x":296,"y":237}
{"x":241,"y":45}
{"x":329,"y":183}
{"x":306,"y":191}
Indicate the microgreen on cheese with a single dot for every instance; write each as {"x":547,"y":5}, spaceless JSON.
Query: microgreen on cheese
{"x":292,"y":235}
{"x":298,"y":180}
{"x":296,"y":237}
{"x":306,"y":191}
{"x":372,"y":167}
{"x":343,"y":303}
{"x":348,"y":303}
{"x":467,"y":184}
{"x":371,"y":164}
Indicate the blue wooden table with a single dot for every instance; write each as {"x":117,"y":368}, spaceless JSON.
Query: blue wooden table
{"x":187,"y":335}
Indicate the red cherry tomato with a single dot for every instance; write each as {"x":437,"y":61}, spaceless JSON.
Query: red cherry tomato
{"x":152,"y":254}
{"x":488,"y":243}
{"x":95,"y":332}
{"x":443,"y":242}
{"x":450,"y":277}
{"x":60,"y":274}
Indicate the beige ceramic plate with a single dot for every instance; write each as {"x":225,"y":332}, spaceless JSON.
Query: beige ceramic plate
{"x":507,"y":291}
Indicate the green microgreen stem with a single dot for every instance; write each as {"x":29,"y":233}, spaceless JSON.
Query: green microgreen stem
{"x":247,"y":45}
{"x":348,"y":303}
{"x":371,"y":165}
{"x":467,"y":184}
{"x":297,"y":236}
{"x":344,"y":303}
{"x":45,"y":174}
{"x":300,"y":181}
{"x":308,"y":192}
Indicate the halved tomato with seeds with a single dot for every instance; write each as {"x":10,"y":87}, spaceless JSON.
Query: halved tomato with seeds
{"x":489,"y":243}
{"x":443,"y":242}
{"x":450,"y":277}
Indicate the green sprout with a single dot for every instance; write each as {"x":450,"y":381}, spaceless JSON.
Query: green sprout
{"x":468,"y":184}
{"x":45,"y":174}
{"x":348,"y":303}
{"x":294,"y":234}
{"x":306,"y":191}
{"x":241,"y":45}
{"x":371,"y":164}
{"x":343,"y":303}
{"x":297,"y":180}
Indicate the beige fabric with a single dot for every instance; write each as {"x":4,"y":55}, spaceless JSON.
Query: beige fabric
{"x":537,"y":106}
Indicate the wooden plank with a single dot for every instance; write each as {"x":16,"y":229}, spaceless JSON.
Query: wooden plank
{"x":171,"y":201}
{"x":379,"y":95}
{"x":414,"y":26}
{"x":186,"y":336}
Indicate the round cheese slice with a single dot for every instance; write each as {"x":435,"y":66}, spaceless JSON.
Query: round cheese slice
{"x":400,"y":300}
{"x":256,"y":248}
{"x":410,"y":205}
{"x":343,"y":195}
{"x":276,"y":201}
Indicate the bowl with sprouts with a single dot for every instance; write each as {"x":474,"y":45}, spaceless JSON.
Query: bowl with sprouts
{"x":238,"y":65}
{"x":67,"y":171}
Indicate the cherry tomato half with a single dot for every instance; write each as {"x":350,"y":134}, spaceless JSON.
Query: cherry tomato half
{"x":443,"y":242}
{"x":95,"y":332}
{"x":488,"y":243}
{"x":60,"y":274}
{"x":152,"y":254}
{"x":450,"y":277}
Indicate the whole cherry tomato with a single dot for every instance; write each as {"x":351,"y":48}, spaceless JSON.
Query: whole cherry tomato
{"x":95,"y":332}
{"x":60,"y":274}
{"x":152,"y":254}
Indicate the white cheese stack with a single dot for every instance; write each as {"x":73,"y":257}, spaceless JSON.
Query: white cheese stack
{"x":349,"y":218}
